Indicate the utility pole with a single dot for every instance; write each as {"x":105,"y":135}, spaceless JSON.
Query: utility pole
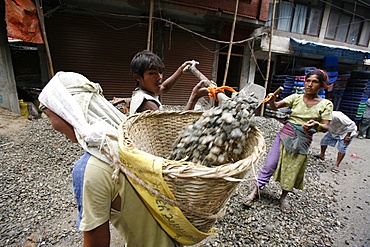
{"x":269,"y":56}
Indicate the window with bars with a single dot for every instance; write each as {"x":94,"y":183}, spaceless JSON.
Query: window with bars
{"x":303,"y":17}
{"x":347,"y":19}
{"x":347,"y":23}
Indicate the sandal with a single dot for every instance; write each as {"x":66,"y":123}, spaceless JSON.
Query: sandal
{"x":335,"y":169}
{"x":319,"y":157}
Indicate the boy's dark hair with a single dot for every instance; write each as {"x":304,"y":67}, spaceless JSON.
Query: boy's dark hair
{"x":144,"y":60}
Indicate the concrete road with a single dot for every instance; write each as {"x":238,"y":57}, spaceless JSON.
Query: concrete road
{"x":351,"y":189}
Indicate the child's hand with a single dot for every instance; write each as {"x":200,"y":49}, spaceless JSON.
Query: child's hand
{"x":188,"y":63}
{"x":201,"y":89}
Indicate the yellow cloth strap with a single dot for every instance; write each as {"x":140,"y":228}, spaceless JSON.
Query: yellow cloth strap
{"x":149,"y":168}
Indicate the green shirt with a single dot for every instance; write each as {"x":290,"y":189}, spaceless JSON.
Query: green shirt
{"x":301,"y":113}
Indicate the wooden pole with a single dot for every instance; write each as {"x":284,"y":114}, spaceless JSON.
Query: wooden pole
{"x":269,"y":56}
{"x":148,"y":44}
{"x":231,"y":43}
{"x":40,"y":14}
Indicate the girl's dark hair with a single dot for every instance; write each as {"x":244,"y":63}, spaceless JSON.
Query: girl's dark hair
{"x":321,"y":75}
{"x":144,"y":60}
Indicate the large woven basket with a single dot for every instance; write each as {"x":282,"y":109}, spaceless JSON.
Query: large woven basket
{"x":205,"y":189}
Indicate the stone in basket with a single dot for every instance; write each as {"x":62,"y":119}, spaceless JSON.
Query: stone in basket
{"x":185,"y":198}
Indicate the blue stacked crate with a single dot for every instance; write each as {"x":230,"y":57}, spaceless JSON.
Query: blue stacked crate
{"x":277,"y":81}
{"x":288,"y":86}
{"x":338,"y":89}
{"x":300,"y":71}
{"x":330,"y":65}
{"x":355,"y":95}
{"x":298,"y":85}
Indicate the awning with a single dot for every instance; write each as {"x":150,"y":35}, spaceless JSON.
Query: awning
{"x":313,"y":48}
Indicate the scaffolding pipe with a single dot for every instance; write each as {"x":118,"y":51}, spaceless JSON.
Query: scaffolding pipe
{"x":270,"y":45}
{"x":148,"y":44}
{"x":40,"y":15}
{"x":231,"y":42}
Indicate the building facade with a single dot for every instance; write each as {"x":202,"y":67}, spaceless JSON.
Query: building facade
{"x":99,"y":38}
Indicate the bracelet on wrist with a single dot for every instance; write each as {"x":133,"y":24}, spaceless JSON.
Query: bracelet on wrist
{"x":319,"y":127}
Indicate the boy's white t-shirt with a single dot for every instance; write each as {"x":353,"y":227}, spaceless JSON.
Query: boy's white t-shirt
{"x":138,"y":97}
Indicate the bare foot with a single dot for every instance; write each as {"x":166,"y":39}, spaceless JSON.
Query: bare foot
{"x":318,"y":156}
{"x":285,"y":206}
{"x":251,"y":197}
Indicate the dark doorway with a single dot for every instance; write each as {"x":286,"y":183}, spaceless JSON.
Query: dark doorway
{"x":235,"y":66}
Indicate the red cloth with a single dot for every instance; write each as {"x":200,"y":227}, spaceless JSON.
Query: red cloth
{"x":22,"y":21}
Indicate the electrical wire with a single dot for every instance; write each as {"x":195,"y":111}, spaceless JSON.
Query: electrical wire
{"x":156,"y":18}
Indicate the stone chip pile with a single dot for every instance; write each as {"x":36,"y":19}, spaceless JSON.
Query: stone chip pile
{"x":220,"y":135}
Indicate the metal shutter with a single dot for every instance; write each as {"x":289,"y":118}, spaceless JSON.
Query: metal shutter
{"x":181,"y":46}
{"x":97,"y":47}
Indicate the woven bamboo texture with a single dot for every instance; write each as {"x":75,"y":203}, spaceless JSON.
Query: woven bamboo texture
{"x":200,"y":188}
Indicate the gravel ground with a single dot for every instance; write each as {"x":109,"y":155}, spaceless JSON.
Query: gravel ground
{"x":38,"y":207}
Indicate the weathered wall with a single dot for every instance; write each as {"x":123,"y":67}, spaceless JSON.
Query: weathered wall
{"x":8,"y":90}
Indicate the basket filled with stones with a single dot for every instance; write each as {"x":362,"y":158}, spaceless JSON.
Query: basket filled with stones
{"x":203,"y":155}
